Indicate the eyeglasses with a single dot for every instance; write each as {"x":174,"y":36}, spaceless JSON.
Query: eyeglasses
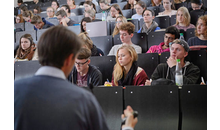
{"x":169,"y":38}
{"x":81,"y":64}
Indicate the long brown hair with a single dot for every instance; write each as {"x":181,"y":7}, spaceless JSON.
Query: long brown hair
{"x":204,"y":19}
{"x":116,"y":29}
{"x":23,"y":54}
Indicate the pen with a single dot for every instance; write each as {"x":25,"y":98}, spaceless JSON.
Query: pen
{"x":107,"y":80}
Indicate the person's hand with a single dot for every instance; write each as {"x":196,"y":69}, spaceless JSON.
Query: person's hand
{"x":148,"y":82}
{"x":107,"y":83}
{"x":116,"y":15}
{"x":63,"y":22}
{"x":130,"y":121}
{"x":171,"y":61}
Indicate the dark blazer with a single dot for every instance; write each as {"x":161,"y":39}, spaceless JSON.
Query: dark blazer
{"x":50,"y":103}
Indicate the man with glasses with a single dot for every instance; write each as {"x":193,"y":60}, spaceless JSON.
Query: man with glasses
{"x":63,"y":19}
{"x":171,"y":34}
{"x":84,"y":74}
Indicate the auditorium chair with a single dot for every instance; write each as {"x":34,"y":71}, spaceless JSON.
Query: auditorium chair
{"x":28,"y":26}
{"x":53,"y":21}
{"x":39,"y":33}
{"x":163,"y":21}
{"x":77,"y":18}
{"x":32,"y":33}
{"x":19,"y":25}
{"x":127,"y":13}
{"x":195,"y":14}
{"x":155,"y":38}
{"x":78,"y":11}
{"x":75,"y":29}
{"x":172,"y":20}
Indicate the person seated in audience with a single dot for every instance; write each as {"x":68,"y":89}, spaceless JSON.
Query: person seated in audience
{"x":23,"y":9}
{"x":169,"y":8}
{"x":83,"y":73}
{"x":40,"y":23}
{"x":88,"y":5}
{"x":71,"y":4}
{"x":37,"y":2}
{"x":130,"y":4}
{"x":171,"y":34}
{"x":126,"y":71}
{"x":83,"y":23}
{"x":179,"y":1}
{"x":66,"y":8}
{"x":183,"y":19}
{"x":27,"y":49}
{"x":91,"y":15}
{"x":88,"y":43}
{"x":50,"y":12}
{"x":157,"y":3}
{"x":139,"y":7}
{"x":93,"y":1}
{"x":27,"y":16}
{"x":179,"y":50}
{"x":149,"y":24}
{"x":197,"y":5}
{"x":63,"y":19}
{"x":37,"y":10}
{"x":119,"y":21}
{"x":115,"y":11}
{"x":19,"y":19}
{"x":200,"y":39}
{"x":126,"y":31}
{"x":20,"y":3}
{"x":104,"y":5}
{"x":55,"y":5}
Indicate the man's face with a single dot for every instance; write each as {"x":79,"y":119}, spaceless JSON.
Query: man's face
{"x":39,"y":25}
{"x":81,"y":64}
{"x":59,"y":18}
{"x":125,"y":36}
{"x":196,"y":6}
{"x":168,"y":37}
{"x":102,"y":6}
{"x":177,"y":51}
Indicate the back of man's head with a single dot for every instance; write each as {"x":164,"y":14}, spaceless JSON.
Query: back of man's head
{"x":173,"y":30}
{"x":61,"y":12}
{"x":198,"y":2}
{"x":36,"y":19}
{"x":83,"y":53}
{"x":66,"y":7}
{"x":56,"y":44}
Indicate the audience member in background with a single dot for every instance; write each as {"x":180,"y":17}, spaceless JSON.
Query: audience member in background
{"x":91,"y":15}
{"x":37,"y":10}
{"x":27,"y":15}
{"x":197,"y":5}
{"x":171,"y":34}
{"x":20,"y":3}
{"x":157,"y":3}
{"x":179,"y":1}
{"x":103,"y":4}
{"x":183,"y":19}
{"x":93,"y":1}
{"x":37,"y":3}
{"x":55,"y":5}
{"x":139,"y":7}
{"x":71,"y":4}
{"x":83,"y":23}
{"x":23,"y":9}
{"x":130,"y":4}
{"x":169,"y":8}
{"x":84,"y":74}
{"x":50,"y":12}
{"x":126,"y":31}
{"x":26,"y":49}
{"x":115,"y":11}
{"x":66,"y":8}
{"x":40,"y":23}
{"x":126,"y":70}
{"x":63,"y":19}
{"x":119,"y":21}
{"x":149,"y":24}
{"x":88,"y":5}
{"x":179,"y":50}
{"x":19,"y":19}
{"x":200,"y":33}
{"x":88,"y":43}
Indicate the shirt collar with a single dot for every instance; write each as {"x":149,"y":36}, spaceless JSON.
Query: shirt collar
{"x":51,"y":71}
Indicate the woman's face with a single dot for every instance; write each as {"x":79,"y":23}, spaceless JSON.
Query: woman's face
{"x":156,"y":1}
{"x":84,"y":25}
{"x":18,"y":19}
{"x":124,"y":57}
{"x":113,"y":12}
{"x":50,"y":12}
{"x":139,"y":9}
{"x":201,"y":27}
{"x":87,"y":7}
{"x":69,"y":2}
{"x":131,"y":1}
{"x":180,"y":17}
{"x":35,"y":11}
{"x":148,"y":18}
{"x":119,"y":22}
{"x":54,"y":5}
{"x":167,"y":4}
{"x":25,"y":43}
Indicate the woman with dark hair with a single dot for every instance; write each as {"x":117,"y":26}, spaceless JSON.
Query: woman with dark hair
{"x":130,"y":4}
{"x":55,"y":5}
{"x":169,"y":8}
{"x":157,"y":3}
{"x":26,"y":49}
{"x":83,"y":23}
{"x":88,"y":5}
{"x":37,"y":9}
{"x":71,"y":4}
{"x":115,"y":11}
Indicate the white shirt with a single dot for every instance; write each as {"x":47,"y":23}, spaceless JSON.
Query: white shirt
{"x":51,"y":71}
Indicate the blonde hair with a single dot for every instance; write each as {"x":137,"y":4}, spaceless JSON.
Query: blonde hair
{"x":185,"y":14}
{"x":86,"y":40}
{"x":204,"y":19}
{"x":116,"y":29}
{"x":118,"y":69}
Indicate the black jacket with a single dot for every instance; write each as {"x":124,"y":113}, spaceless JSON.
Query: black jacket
{"x":190,"y":72}
{"x":93,"y":73}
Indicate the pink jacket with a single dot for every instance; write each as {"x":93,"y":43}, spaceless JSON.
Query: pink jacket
{"x":158,"y":49}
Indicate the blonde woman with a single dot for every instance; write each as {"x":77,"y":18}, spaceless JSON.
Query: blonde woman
{"x":119,"y":21}
{"x":50,"y":13}
{"x":183,"y":19}
{"x":169,"y":8}
{"x":126,"y":70}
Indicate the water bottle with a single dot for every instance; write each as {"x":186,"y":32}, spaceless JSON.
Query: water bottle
{"x":181,"y":36}
{"x":103,"y":16}
{"x":179,"y":75}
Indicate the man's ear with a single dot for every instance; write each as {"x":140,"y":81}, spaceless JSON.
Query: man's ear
{"x":186,"y":54}
{"x":89,"y":61}
{"x":132,"y":34}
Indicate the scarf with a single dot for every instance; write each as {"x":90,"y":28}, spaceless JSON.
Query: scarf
{"x":128,"y":80}
{"x":152,"y":27}
{"x":28,"y":53}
